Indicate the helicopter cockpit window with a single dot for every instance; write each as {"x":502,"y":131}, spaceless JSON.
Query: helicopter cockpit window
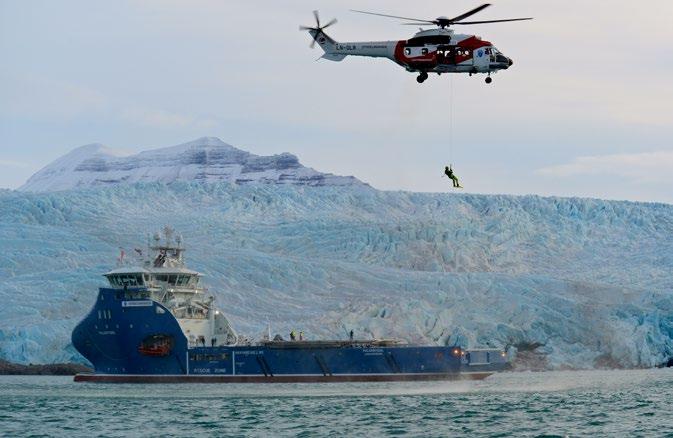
{"x":407,"y":51}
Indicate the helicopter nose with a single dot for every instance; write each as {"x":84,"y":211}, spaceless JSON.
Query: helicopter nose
{"x":510,"y":61}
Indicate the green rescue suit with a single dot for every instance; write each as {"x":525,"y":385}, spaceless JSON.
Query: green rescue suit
{"x":449,"y":172}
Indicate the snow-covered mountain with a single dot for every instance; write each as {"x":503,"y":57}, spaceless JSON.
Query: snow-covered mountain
{"x":588,"y":281}
{"x":206,"y":159}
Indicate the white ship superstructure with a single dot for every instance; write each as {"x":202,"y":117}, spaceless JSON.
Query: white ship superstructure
{"x":161,"y":273}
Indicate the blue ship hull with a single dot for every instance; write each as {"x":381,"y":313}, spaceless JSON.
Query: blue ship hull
{"x":113,"y":334}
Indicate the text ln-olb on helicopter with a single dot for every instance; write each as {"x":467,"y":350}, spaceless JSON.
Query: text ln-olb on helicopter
{"x":438,"y":50}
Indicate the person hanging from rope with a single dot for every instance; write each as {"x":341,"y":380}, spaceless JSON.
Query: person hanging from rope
{"x":448,"y":171}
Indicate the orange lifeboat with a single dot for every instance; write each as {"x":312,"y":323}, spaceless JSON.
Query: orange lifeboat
{"x":156,"y":345}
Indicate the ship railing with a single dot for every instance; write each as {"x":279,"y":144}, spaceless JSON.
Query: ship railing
{"x":362,"y":343}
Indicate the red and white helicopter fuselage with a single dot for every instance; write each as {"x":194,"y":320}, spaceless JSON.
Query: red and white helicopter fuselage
{"x":428,"y":51}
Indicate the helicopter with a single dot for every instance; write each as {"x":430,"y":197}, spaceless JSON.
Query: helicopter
{"x":438,"y":50}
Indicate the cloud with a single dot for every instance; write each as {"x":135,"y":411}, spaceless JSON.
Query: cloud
{"x":38,"y":96}
{"x":646,"y":167}
{"x":164,"y":119}
{"x":11,"y":163}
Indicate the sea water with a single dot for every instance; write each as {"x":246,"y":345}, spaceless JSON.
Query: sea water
{"x":564,"y":403}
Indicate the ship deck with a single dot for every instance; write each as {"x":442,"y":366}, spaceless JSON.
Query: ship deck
{"x":371,"y":343}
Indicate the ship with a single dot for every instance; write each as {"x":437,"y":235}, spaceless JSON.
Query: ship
{"x":155,"y":322}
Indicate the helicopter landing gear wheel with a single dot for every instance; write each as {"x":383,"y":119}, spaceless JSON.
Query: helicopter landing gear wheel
{"x":489,"y":80}
{"x":422,"y":77}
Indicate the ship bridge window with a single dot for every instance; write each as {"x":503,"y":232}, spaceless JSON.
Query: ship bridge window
{"x":171,"y":279}
{"x":407,"y":51}
{"x":183,"y":280}
{"x":424,"y":51}
{"x":121,"y":280}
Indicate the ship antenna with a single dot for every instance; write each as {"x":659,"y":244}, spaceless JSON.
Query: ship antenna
{"x":168,"y":232}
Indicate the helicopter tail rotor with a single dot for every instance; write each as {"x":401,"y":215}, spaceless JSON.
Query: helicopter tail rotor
{"x":317,"y":32}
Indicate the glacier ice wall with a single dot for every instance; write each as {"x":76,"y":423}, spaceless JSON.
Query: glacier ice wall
{"x":589,"y":280}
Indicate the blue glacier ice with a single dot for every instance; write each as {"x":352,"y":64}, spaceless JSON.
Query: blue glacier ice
{"x":587,"y":280}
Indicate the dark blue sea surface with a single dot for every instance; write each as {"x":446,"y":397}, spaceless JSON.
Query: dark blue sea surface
{"x":566,"y":403}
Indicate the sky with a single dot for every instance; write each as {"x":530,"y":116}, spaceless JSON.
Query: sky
{"x":586,"y":109}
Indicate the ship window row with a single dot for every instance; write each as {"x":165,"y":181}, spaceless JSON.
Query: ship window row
{"x":174,"y":279}
{"x":208,"y":357}
{"x":104,"y":314}
{"x":121,"y":280}
{"x":131,"y":280}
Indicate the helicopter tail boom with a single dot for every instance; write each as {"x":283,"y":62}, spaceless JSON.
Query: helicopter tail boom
{"x":327,"y":44}
{"x":337,"y":51}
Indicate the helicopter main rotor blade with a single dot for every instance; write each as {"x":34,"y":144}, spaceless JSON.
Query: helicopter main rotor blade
{"x":317,"y":18}
{"x":331,"y":22}
{"x":493,"y":21}
{"x":393,"y":16}
{"x":305,"y":28}
{"x":469,"y":13}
